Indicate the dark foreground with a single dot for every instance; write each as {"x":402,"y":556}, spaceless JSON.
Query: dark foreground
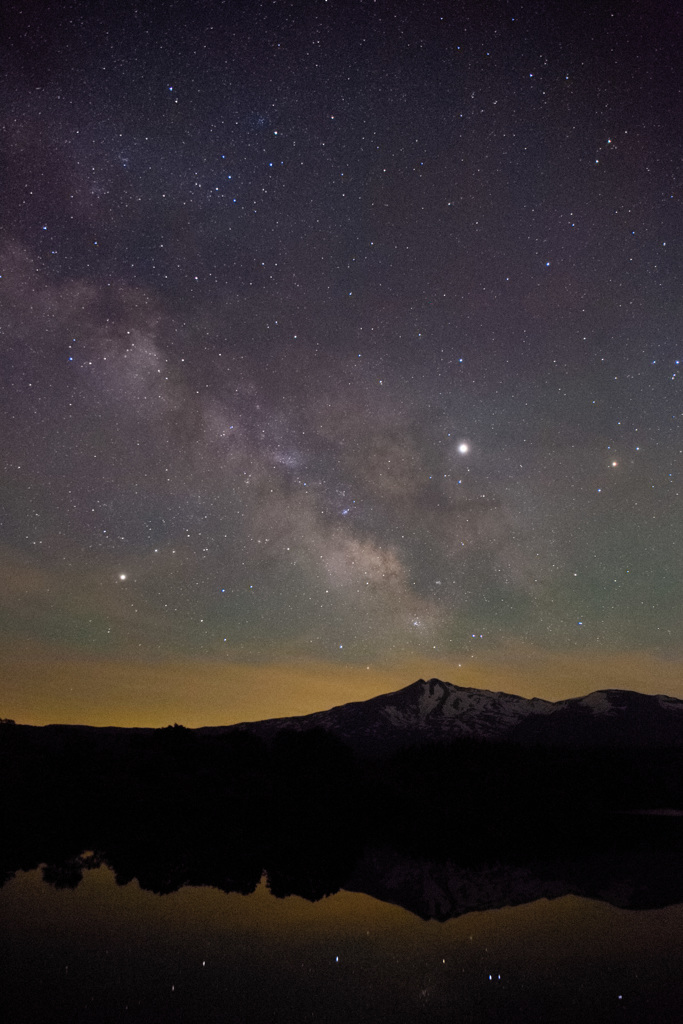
{"x":171,"y":808}
{"x":144,"y":874}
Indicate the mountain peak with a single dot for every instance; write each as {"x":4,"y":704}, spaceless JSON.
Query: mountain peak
{"x":435,"y":711}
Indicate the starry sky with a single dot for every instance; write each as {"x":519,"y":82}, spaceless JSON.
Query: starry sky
{"x":341,"y":345}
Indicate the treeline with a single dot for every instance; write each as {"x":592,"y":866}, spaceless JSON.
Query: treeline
{"x":305,"y":798}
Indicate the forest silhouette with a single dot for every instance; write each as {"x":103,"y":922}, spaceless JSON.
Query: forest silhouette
{"x":172,"y":807}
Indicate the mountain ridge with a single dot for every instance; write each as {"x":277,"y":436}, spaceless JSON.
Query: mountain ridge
{"x":433,"y":710}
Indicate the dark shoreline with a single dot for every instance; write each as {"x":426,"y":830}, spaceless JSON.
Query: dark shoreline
{"x":171,"y":807}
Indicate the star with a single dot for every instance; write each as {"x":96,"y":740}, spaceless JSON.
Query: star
{"x":188,"y":382}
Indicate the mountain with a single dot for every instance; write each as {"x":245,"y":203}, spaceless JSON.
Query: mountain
{"x":609,"y":717}
{"x":436,"y":711}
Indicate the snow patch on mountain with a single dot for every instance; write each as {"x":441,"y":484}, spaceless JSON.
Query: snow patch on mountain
{"x":431,"y":698}
{"x":669,"y":703}
{"x":599,"y":703}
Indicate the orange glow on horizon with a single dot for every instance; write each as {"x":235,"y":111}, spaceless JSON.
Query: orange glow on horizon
{"x":106,"y":692}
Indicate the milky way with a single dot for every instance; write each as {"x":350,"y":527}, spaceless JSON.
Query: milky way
{"x":341,"y":331}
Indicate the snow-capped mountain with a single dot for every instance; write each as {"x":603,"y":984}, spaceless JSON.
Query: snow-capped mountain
{"x":436,"y":711}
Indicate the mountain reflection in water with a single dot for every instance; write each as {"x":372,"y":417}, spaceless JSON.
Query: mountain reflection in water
{"x":231,"y":880}
{"x":107,"y":953}
{"x":634,"y":864}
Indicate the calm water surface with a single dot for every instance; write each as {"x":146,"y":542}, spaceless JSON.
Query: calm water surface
{"x":103,"y":952}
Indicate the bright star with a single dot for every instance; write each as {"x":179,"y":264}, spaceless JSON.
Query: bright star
{"x":463,"y":448}
{"x":122,"y":576}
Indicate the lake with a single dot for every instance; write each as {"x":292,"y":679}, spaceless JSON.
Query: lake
{"x":104,"y":952}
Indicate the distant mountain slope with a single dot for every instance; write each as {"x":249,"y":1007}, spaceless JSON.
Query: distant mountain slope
{"x":436,"y":711}
{"x":609,"y":717}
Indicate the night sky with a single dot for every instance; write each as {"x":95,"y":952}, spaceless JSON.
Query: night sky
{"x":341,"y":345}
